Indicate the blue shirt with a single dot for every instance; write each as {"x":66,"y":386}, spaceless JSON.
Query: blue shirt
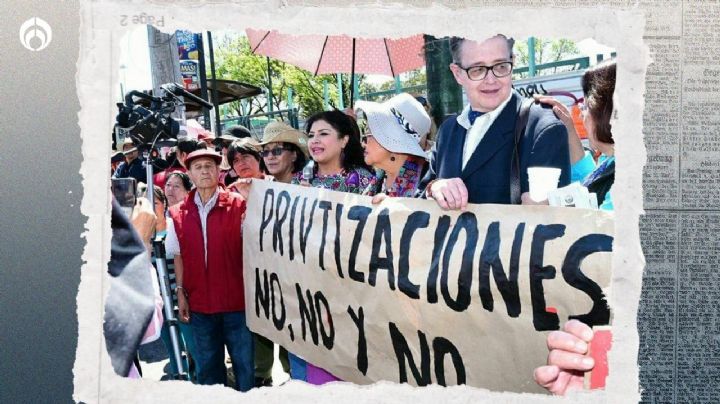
{"x":586,"y":167}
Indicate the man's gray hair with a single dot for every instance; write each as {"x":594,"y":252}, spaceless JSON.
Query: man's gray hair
{"x":456,"y":45}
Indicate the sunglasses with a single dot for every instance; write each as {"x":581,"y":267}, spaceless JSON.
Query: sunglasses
{"x":277,"y":151}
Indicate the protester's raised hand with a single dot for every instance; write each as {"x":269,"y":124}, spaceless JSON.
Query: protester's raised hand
{"x":560,"y":110}
{"x":567,"y":360}
{"x":143,"y":219}
{"x":242,"y":186}
{"x":450,"y":193}
{"x":576,"y":148}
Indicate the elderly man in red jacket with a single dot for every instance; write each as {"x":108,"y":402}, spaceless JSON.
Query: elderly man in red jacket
{"x":205,"y":236}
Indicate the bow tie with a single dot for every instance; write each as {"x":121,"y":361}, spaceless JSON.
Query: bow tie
{"x":473,"y":115}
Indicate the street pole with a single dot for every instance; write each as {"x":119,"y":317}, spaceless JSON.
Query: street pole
{"x":215,"y":99}
{"x":531,"y":56}
{"x":199,"y":40}
{"x":270,"y":92}
{"x":341,"y":103}
{"x":326,"y":96}
{"x":164,"y":63}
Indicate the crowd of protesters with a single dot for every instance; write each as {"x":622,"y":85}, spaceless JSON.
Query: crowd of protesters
{"x":386,"y":149}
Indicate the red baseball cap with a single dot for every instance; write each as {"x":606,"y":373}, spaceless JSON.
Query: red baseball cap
{"x":202,"y":153}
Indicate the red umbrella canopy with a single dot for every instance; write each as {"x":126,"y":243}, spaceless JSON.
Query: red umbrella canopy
{"x":324,"y":54}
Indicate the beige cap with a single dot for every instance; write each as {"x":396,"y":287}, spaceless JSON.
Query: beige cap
{"x":277,"y":131}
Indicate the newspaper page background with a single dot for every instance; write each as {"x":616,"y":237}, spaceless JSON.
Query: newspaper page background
{"x":678,"y":319}
{"x":677,"y":322}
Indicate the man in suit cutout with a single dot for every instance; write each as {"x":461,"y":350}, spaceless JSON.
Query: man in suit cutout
{"x":471,"y":161}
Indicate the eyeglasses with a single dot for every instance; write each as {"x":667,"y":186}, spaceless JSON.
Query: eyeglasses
{"x":477,"y":73}
{"x":277,"y":151}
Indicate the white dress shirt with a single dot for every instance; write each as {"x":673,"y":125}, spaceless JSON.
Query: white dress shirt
{"x":477,"y":131}
{"x":172,"y":244}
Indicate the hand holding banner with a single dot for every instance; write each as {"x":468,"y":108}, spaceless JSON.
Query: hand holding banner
{"x":406,"y":292}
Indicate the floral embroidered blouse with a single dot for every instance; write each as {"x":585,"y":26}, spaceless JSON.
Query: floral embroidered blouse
{"x":405,"y":184}
{"x":354,"y":182}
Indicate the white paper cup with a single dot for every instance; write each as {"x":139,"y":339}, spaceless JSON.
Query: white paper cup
{"x":542,"y":180}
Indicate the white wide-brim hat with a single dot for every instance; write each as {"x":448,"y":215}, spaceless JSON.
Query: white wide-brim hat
{"x":397,"y":124}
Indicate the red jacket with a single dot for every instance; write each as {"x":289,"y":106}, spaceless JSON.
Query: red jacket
{"x":217,"y":287}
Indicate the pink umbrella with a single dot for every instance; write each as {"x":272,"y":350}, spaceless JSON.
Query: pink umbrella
{"x":323,"y":54}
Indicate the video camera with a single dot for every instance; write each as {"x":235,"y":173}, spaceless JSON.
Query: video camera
{"x":149,"y":120}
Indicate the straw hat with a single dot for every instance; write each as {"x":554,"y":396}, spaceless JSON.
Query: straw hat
{"x":128,"y":142}
{"x":277,"y":131}
{"x":398,"y":124}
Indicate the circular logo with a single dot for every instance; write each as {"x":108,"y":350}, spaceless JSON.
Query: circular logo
{"x":35,"y":34}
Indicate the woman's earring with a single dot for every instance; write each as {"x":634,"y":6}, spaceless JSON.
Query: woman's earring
{"x":392,"y":157}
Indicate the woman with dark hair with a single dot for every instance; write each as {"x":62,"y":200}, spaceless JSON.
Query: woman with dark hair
{"x":598,"y":85}
{"x":337,"y":164}
{"x":244,"y":158}
{"x":568,"y":359}
{"x":334,"y":145}
{"x":177,"y":186}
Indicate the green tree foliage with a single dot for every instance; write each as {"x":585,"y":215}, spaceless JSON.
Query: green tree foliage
{"x":546,"y":51}
{"x":235,"y":61}
{"x":414,"y":78}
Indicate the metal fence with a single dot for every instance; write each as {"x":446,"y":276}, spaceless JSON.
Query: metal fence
{"x":256,"y":123}
{"x":380,"y":96}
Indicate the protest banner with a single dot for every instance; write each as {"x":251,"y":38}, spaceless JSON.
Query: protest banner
{"x":404,"y":291}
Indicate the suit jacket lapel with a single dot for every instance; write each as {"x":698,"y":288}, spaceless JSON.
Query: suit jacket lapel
{"x":499,"y":133}
{"x":453,"y":165}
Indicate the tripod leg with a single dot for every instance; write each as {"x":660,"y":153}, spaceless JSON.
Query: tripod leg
{"x":170,"y":318}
